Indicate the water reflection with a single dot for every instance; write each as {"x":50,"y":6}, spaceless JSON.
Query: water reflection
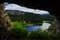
{"x":44,"y":26}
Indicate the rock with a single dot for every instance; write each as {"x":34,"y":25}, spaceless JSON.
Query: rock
{"x":5,"y":21}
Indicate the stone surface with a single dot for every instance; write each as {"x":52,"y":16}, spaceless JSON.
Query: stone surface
{"x":4,"y":18}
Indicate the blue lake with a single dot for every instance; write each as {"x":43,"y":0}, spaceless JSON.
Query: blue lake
{"x":44,"y":26}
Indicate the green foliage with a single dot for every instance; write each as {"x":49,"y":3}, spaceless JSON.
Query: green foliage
{"x":18,"y":26}
{"x":20,"y":32}
{"x":41,"y":35}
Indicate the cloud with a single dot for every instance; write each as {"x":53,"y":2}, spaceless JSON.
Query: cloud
{"x":45,"y":26}
{"x":40,"y":12}
{"x":25,"y":9}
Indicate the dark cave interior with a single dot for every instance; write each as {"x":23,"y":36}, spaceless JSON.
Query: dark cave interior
{"x":48,"y":5}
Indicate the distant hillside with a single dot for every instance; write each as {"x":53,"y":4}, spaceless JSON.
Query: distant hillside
{"x":48,"y":17}
{"x":29,"y":16}
{"x":14,"y":12}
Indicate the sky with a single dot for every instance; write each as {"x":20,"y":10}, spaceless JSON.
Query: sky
{"x":25,"y":9}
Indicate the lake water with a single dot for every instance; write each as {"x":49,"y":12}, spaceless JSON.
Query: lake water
{"x":44,"y":26}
